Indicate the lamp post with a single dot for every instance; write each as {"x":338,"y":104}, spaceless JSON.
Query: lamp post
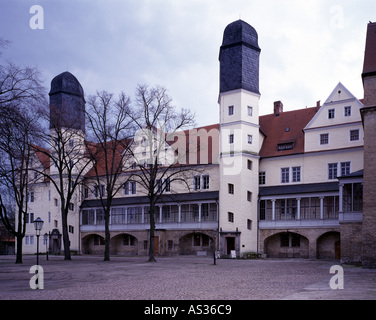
{"x":38,"y":224}
{"x":46,"y":241}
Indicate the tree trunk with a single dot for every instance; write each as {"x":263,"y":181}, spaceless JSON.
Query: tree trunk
{"x":67,"y":255}
{"x":19,"y":249}
{"x":107,"y":237}
{"x":152,"y":229}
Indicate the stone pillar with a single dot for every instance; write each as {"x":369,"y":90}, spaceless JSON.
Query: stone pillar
{"x":273,"y":209}
{"x":298,"y":208}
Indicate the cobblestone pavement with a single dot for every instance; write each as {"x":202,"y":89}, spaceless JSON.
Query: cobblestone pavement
{"x":181,"y":278}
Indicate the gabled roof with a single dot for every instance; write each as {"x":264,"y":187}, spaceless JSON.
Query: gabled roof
{"x":286,"y":128}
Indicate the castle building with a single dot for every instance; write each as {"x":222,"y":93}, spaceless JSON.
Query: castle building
{"x":286,"y":184}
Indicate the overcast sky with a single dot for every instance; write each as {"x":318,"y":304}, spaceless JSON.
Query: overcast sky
{"x":307,"y":47}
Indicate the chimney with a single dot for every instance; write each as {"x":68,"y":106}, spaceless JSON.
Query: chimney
{"x":278,"y":108}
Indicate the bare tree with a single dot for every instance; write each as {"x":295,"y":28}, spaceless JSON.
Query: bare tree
{"x":69,"y":161}
{"x":21,"y":98}
{"x":111,"y":127}
{"x":157,"y":120}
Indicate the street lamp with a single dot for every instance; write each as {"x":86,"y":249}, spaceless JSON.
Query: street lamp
{"x":38,"y":224}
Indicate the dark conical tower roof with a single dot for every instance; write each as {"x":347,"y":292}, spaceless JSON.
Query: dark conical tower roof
{"x":66,"y":83}
{"x":67,"y":102}
{"x":240,"y":31}
{"x":239,"y":58}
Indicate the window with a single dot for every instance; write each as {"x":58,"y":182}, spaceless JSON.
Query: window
{"x":197,"y":182}
{"x":285,"y":146}
{"x":128,"y":240}
{"x":70,"y":229}
{"x":230,"y":217}
{"x":71,"y":206}
{"x":71,"y":142}
{"x":249,"y":164}
{"x":249,"y":139}
{"x":262,"y":177}
{"x":249,"y":224}
{"x":249,"y":196}
{"x":99,"y":189}
{"x":285,"y":240}
{"x":347,"y":111}
{"x":230,"y":188}
{"x":295,"y":174}
{"x":86,"y":193}
{"x":354,"y":135}
{"x":170,"y":244}
{"x":130,"y":187}
{"x":205,"y":182}
{"x":231,"y":138}
{"x":98,"y":240}
{"x":29,"y":217}
{"x":167,"y":185}
{"x":29,"y":240}
{"x":30,"y":196}
{"x":285,"y":175}
{"x":295,"y":240}
{"x":324,"y":138}
{"x":56,"y":202}
{"x":331,"y":113}
{"x":250,"y":110}
{"x":345,"y":168}
{"x":332,"y":171}
{"x":230,"y":110}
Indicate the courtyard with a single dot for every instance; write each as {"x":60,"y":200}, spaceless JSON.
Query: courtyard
{"x":182,"y":278}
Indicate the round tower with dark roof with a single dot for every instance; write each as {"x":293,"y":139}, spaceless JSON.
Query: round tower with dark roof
{"x":67,"y":102}
{"x":239,"y":138}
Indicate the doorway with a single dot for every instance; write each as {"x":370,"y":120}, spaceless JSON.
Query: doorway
{"x":230,"y":244}
{"x":156,"y":245}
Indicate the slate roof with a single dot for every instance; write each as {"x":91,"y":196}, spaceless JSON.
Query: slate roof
{"x":299,"y":188}
{"x":166,"y":198}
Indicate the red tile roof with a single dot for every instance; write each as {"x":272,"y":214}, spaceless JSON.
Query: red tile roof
{"x":369,"y":65}
{"x":285,"y":128}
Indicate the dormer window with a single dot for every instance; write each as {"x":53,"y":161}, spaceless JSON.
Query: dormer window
{"x":285,"y":146}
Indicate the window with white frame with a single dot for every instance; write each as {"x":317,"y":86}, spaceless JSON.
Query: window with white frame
{"x":130,"y":187}
{"x":250,"y":110}
{"x":29,"y":217}
{"x":332,"y":171}
{"x":262,"y":177}
{"x":205,"y":182}
{"x":99,"y":190}
{"x":347,"y":111}
{"x":295,"y":174}
{"x":231,"y":139}
{"x":345,"y":168}
{"x":331,"y":113}
{"x":197,"y":183}
{"x":354,"y":135}
{"x":230,"y":110}
{"x":324,"y":138}
{"x":249,"y":139}
{"x":231,"y":188}
{"x":285,"y":175}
